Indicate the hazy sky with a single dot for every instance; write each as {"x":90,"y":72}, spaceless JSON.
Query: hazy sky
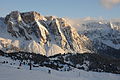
{"x":61,"y":8}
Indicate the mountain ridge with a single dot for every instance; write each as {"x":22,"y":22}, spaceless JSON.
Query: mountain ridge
{"x":42,"y":32}
{"x":50,"y":35}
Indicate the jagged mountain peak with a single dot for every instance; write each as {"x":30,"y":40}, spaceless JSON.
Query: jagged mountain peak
{"x":41,"y":34}
{"x":33,"y":32}
{"x":27,"y":17}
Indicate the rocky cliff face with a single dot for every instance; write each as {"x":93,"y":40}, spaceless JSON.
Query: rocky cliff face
{"x":32,"y":32}
{"x":50,"y":35}
{"x":105,"y":36}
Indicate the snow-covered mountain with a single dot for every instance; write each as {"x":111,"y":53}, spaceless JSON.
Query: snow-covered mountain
{"x":32,"y":32}
{"x":104,"y":34}
{"x":50,"y":35}
{"x":24,"y":34}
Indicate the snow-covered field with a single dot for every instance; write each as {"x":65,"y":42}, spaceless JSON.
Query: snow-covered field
{"x":10,"y":72}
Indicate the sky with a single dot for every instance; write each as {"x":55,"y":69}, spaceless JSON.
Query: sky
{"x":61,"y":8}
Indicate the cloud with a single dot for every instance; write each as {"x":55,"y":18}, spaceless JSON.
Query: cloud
{"x":110,"y":3}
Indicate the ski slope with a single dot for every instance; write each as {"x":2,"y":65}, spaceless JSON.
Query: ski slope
{"x":10,"y":72}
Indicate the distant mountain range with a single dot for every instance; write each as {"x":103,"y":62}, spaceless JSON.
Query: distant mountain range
{"x":50,"y":35}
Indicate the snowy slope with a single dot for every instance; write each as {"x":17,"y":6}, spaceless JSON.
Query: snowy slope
{"x":10,"y":72}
